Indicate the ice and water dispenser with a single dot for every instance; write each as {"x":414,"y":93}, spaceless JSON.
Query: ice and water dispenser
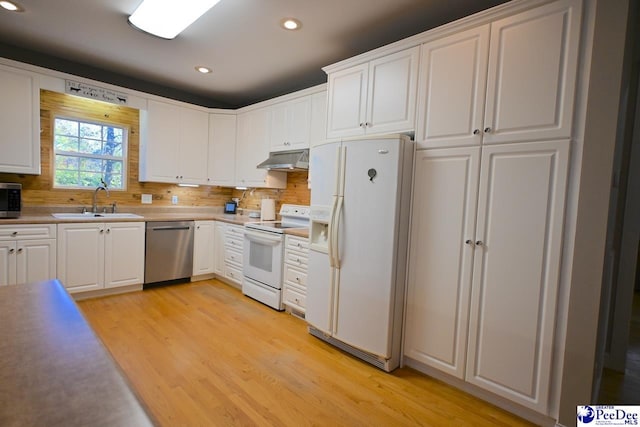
{"x":319,"y":234}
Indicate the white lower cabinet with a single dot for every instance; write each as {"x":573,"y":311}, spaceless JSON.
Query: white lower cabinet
{"x":204,"y":248}
{"x":27,"y":253}
{"x":233,"y":247}
{"x":296,"y":258}
{"x":94,"y":256}
{"x":218,"y":243}
{"x":484,"y":265}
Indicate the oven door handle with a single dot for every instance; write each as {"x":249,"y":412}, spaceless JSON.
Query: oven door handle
{"x":262,"y":238}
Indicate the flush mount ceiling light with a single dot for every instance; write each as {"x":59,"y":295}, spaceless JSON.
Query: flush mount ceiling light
{"x":168,"y":18}
{"x":11,"y":6}
{"x":290,"y":24}
{"x":203,"y":70}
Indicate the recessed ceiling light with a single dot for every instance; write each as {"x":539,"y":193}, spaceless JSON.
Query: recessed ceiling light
{"x":11,"y":6}
{"x":167,"y":19}
{"x":291,"y":24}
{"x":203,"y":70}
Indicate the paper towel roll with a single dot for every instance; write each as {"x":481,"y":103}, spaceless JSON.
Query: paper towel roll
{"x":268,"y":210}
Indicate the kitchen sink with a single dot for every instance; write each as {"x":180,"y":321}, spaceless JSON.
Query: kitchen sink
{"x":91,"y":215}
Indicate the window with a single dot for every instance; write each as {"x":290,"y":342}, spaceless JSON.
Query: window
{"x":86,"y":153}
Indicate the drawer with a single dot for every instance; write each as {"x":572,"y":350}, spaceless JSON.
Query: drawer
{"x":23,"y":232}
{"x":296,"y":259}
{"x":235,"y":231}
{"x":296,"y":243}
{"x":292,"y":298}
{"x":234,"y":242}
{"x":233,"y":274}
{"x":295,"y":275}
{"x":232,"y":256}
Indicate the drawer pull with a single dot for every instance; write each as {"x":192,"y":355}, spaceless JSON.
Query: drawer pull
{"x":15,"y":233}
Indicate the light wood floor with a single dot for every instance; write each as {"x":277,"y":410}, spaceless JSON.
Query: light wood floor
{"x":202,"y":354}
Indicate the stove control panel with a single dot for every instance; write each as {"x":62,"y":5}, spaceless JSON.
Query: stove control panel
{"x":295,"y":211}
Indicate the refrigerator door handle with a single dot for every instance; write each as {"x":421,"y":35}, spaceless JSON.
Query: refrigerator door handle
{"x":336,"y":231}
{"x":330,"y":231}
{"x":342,"y":169}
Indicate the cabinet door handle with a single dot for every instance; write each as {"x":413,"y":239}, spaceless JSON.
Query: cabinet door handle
{"x":469,"y":242}
{"x":478,"y":242}
{"x":19,"y":250}
{"x":476,"y":131}
{"x":487,"y":130}
{"x":101,"y":231}
{"x":368,"y":124}
{"x":15,"y":233}
{"x":361,"y":125}
{"x":108,"y":230}
{"x":11,"y":250}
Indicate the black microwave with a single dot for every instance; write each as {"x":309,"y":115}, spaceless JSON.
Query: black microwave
{"x":10,"y":200}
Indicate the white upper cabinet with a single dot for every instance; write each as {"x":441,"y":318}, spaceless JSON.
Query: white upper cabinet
{"x":374,"y":98}
{"x":451,"y":90}
{"x":175,"y":146}
{"x":252,"y":148}
{"x":532,"y":73}
{"x":347,"y":103}
{"x":290,"y":125}
{"x":510,"y":81}
{"x":19,"y":122}
{"x":194,"y":146}
{"x":222,"y":150}
{"x":318,"y":132}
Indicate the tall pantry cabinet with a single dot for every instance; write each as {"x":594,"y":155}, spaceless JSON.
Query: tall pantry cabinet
{"x":495,"y":107}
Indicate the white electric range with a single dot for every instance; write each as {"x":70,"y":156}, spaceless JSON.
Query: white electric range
{"x":263,"y":252}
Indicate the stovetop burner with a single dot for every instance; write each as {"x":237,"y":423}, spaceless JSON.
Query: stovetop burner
{"x":293,"y":216}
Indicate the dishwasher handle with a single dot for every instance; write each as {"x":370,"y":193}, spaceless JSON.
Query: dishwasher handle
{"x":169,"y":227}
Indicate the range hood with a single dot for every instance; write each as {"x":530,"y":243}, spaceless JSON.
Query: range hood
{"x":287,"y":161}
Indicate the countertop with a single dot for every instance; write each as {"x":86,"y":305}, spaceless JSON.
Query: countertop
{"x":42,"y":218}
{"x":54,"y":371}
{"x":146,"y":215}
{"x":300,"y":232}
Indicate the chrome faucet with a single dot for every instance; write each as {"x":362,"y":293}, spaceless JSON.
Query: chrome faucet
{"x":102,"y":186}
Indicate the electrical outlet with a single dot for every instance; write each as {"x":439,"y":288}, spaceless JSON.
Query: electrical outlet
{"x":146,"y":199}
{"x":174,"y":200}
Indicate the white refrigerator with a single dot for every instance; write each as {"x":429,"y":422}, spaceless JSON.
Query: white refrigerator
{"x":360,"y":202}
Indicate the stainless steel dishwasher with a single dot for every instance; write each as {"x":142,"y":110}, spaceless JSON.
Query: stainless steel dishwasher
{"x":169,"y":251}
